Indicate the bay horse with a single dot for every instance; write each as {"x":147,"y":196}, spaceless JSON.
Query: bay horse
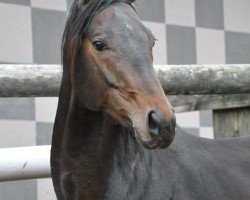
{"x":114,"y":130}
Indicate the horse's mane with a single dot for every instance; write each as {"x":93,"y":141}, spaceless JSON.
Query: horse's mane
{"x":79,"y":17}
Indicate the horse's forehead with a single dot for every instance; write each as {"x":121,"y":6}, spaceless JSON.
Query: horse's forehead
{"x":118,"y":17}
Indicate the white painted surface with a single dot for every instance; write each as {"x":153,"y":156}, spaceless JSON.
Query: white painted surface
{"x":24,"y":163}
{"x":46,"y":109}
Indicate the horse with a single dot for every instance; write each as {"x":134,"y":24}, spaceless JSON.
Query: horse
{"x":115,"y":134}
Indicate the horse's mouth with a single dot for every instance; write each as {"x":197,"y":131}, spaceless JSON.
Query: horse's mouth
{"x":157,"y":142}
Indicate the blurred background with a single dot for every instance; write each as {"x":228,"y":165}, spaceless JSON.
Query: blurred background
{"x":187,"y":32}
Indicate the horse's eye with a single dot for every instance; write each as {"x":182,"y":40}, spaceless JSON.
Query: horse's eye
{"x":99,"y":45}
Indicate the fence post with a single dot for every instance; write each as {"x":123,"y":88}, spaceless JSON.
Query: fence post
{"x":231,"y":122}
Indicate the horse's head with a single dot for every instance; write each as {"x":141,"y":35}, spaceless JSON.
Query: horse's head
{"x":112,"y":70}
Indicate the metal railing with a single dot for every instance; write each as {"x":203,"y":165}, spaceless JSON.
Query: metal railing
{"x":24,"y":163}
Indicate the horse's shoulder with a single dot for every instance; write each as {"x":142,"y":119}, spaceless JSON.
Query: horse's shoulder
{"x":199,"y":164}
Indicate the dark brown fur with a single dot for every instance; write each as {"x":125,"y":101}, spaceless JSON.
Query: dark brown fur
{"x":103,"y":95}
{"x":113,"y":117}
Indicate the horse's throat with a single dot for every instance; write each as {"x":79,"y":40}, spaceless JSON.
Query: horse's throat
{"x":131,"y":170}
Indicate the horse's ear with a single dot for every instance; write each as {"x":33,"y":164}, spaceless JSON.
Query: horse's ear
{"x":82,"y":2}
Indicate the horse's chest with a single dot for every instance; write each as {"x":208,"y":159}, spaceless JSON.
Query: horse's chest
{"x":135,"y":183}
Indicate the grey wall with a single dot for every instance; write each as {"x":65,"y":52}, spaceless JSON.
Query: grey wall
{"x":188,"y":32}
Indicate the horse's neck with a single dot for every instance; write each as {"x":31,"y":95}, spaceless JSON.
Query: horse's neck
{"x":86,"y":136}
{"x":96,"y":147}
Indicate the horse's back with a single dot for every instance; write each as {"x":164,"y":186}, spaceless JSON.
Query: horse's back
{"x":208,"y":169}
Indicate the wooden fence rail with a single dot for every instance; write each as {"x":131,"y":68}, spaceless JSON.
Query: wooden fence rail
{"x":44,"y":80}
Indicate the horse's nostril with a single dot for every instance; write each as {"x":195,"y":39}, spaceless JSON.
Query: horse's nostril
{"x":173,"y":110}
{"x":153,"y":123}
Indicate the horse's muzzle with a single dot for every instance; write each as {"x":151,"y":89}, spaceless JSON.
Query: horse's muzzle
{"x":162,"y":132}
